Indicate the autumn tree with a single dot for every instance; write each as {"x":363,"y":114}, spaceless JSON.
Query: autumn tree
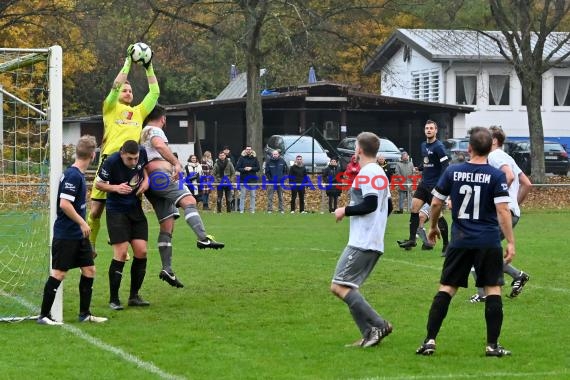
{"x":529,"y":43}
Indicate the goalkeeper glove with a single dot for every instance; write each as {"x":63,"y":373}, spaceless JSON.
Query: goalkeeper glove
{"x":128,"y":61}
{"x":148,"y":64}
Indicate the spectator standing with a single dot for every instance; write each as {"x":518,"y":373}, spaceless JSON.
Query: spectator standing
{"x":404,"y":168}
{"x":193,"y":171}
{"x":224,"y":172}
{"x":352,"y":169}
{"x":297,"y":175}
{"x":381,"y":160}
{"x":234,"y":198}
{"x":275,"y":169}
{"x":248,"y":166}
{"x":330,"y":176}
{"x":207,"y":171}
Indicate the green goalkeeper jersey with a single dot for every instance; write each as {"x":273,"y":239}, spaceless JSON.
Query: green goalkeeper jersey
{"x":123,"y":122}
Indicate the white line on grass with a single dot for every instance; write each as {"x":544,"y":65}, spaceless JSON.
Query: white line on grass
{"x":472,"y":376}
{"x":149,"y":367}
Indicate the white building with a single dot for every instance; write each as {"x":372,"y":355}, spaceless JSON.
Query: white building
{"x":465,"y":67}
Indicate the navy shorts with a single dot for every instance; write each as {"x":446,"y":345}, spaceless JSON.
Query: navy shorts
{"x":127,"y":226}
{"x":68,"y":254}
{"x":424,"y":193}
{"x":487,"y":261}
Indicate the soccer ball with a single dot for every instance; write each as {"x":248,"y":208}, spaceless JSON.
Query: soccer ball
{"x":141,"y":53}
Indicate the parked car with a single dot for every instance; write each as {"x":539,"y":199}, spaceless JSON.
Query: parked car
{"x":555,"y":156}
{"x":291,"y":146}
{"x":387,"y":149}
{"x":455,"y":147}
{"x":520,"y":152}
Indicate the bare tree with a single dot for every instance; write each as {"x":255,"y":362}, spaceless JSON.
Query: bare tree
{"x":530,"y":44}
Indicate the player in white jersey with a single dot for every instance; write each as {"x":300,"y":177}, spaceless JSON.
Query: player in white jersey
{"x":368,"y":211}
{"x":519,"y":187}
{"x":166,"y":193}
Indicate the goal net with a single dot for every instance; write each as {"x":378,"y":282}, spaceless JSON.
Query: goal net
{"x":30,"y":167}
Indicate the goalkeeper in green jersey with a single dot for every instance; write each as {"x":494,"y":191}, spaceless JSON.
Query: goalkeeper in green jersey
{"x":122,"y":121}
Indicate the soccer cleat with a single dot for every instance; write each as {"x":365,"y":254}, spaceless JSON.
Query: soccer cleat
{"x":426,"y":247}
{"x":116,"y":305}
{"x":496,"y":350}
{"x":427,"y":348}
{"x":170,"y":278}
{"x":47,"y":320}
{"x":138,"y":301}
{"x":408,"y":244}
{"x":91,"y":318}
{"x":375,"y":335}
{"x":476,"y":298}
{"x":357,"y":343}
{"x":518,"y":284}
{"x":209,"y":242}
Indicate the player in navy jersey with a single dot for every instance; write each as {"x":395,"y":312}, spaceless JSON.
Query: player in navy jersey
{"x":434,"y":163}
{"x":519,"y":187}
{"x":122,"y":176}
{"x":70,"y":245}
{"x":480,"y":198}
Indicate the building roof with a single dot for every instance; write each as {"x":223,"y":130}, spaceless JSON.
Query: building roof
{"x":344,"y":96}
{"x":454,"y":45}
{"x":237,"y":88}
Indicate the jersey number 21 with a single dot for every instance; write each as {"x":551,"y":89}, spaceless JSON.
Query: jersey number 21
{"x":469,"y":191}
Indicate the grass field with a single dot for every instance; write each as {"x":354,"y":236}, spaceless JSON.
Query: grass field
{"x":261,"y":309}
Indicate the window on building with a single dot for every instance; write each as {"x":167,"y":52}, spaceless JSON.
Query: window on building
{"x":499,"y":90}
{"x":466,"y":89}
{"x":425,"y":85}
{"x":561,"y":93}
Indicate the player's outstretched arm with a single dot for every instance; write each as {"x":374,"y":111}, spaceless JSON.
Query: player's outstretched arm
{"x":121,"y":78}
{"x":151,"y":98}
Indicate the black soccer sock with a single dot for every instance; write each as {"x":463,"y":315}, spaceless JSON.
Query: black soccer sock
{"x":493,"y":318}
{"x":437,"y":313}
{"x":138,"y":271}
{"x":50,"y":289}
{"x":414,"y":224}
{"x":443,"y":229}
{"x":85,"y":294}
{"x":115,"y":277}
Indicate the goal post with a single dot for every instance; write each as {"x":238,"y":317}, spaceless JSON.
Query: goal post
{"x":31,"y":163}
